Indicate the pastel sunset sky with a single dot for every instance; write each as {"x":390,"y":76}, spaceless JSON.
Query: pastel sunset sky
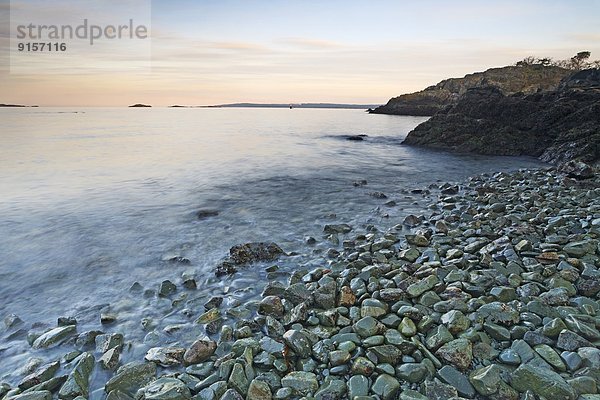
{"x":211,"y":52}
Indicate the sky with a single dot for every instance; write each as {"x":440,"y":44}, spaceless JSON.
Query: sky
{"x":281,"y":51}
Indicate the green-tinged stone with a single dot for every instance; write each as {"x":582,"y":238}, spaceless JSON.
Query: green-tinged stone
{"x":41,"y":395}
{"x":456,"y":321}
{"x":368,"y":326}
{"x":259,"y":390}
{"x":412,"y":372}
{"x":409,"y":394}
{"x":543,"y":382}
{"x":458,"y":352}
{"x":486,"y":380}
{"x":358,"y":385}
{"x":77,"y":384}
{"x":167,"y":389}
{"x":209,"y":316}
{"x":407,"y":327}
{"x":550,"y":356}
{"x":238,"y":379}
{"x":386,"y":387}
{"x":54,"y":337}
{"x":303,"y":383}
{"x":420,"y":287}
{"x":130,"y":377}
{"x":331,"y":389}
{"x":41,"y":375}
{"x":453,"y":377}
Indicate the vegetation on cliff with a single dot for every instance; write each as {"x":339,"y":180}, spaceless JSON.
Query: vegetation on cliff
{"x":530,"y":75}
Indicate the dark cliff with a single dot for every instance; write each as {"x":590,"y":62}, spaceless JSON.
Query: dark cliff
{"x":508,"y":80}
{"x":557,"y":126}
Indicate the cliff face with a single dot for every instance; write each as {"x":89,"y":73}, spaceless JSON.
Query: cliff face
{"x":508,"y":80}
{"x":558,"y":125}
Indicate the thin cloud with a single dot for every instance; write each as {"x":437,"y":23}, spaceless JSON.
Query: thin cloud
{"x":314,"y":44}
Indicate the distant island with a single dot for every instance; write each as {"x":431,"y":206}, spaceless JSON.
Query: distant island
{"x":140,"y":105}
{"x":286,"y":105}
{"x":15,"y":105}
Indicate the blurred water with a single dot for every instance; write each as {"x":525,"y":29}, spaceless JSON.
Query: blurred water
{"x":93,"y":200}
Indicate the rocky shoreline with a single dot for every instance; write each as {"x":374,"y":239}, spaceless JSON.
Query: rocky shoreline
{"x":492,"y":293}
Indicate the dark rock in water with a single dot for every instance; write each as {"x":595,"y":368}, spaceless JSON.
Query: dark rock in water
{"x":248,"y":253}
{"x":362,"y":182}
{"x":557,"y":126}
{"x":577,"y":170}
{"x":378,"y":195}
{"x":203,"y":214}
{"x":357,"y":138}
{"x":255,"y":252}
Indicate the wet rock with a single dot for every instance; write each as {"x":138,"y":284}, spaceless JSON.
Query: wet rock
{"x":77,"y":384}
{"x":458,"y":352}
{"x":541,"y":381}
{"x":206,"y":213}
{"x":571,"y":341}
{"x":40,"y":395}
{"x":486,"y":380}
{"x":386,"y":387}
{"x":166,"y":288}
{"x":43,"y":374}
{"x":368,"y":326}
{"x":105,"y":342}
{"x":456,"y":379}
{"x":577,"y":169}
{"x":337,"y":228}
{"x":165,"y":356}
{"x":298,"y":342}
{"x":110,"y":359}
{"x":303,"y":383}
{"x":199,"y":351}
{"x":54,"y":337}
{"x":259,"y":390}
{"x":167,"y":389}
{"x":412,"y":372}
{"x":131,"y":377}
{"x":423,"y":285}
{"x":238,"y":379}
{"x":271,"y":305}
{"x":417,"y":240}
{"x":324,"y":296}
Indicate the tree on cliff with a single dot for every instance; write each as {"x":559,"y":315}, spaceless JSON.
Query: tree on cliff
{"x":578,"y":62}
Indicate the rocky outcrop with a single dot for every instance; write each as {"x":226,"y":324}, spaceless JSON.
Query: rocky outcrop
{"x":556,"y":126}
{"x":508,"y":80}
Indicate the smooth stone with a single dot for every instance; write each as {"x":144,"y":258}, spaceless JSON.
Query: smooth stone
{"x":358,"y":385}
{"x":412,"y":372}
{"x":54,"y":337}
{"x":386,"y":387}
{"x":453,"y":377}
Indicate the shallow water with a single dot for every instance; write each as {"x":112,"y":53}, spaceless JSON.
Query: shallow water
{"x":95,"y":200}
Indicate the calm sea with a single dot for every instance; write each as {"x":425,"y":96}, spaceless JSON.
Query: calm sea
{"x":92,"y":200}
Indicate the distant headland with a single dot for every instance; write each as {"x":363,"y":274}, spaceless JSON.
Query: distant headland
{"x":140,"y":105}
